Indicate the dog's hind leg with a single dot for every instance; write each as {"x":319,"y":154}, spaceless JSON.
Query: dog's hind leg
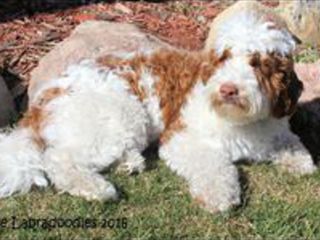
{"x":69,"y":176}
{"x":87,"y":133}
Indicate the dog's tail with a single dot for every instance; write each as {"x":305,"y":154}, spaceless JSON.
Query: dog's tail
{"x":20,"y":162}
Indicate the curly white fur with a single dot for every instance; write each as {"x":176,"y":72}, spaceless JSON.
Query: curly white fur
{"x":21,"y":165}
{"x":247,"y":32}
{"x":98,"y":123}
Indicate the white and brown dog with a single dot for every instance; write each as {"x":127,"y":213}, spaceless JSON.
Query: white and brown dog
{"x":208,"y":110}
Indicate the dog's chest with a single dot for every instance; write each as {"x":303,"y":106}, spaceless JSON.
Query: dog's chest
{"x":254,"y":143}
{"x":248,"y":148}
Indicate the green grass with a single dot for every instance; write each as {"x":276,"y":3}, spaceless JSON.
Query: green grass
{"x":307,"y":54}
{"x":157,"y":205}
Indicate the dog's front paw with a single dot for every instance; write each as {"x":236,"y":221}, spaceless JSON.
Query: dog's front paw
{"x":216,"y":201}
{"x":92,"y":188}
{"x":299,"y":163}
{"x":134,"y":163}
{"x":217,"y":192}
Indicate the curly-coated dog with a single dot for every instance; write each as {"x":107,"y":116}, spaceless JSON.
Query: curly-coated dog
{"x":207,"y":109}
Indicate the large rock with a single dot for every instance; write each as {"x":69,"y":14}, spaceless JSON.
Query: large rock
{"x":302,"y":18}
{"x":7,"y":108}
{"x":309,"y":73}
{"x":90,"y":39}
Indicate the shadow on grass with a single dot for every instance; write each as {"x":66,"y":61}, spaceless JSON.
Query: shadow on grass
{"x":244,"y":184}
{"x":245,"y":191}
{"x":151,"y":155}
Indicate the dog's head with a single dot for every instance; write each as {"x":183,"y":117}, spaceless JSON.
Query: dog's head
{"x":249,"y":30}
{"x":251,"y":87}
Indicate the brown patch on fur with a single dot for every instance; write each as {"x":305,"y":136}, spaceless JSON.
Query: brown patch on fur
{"x":276,"y":76}
{"x":173,"y":128}
{"x":50,"y":94}
{"x":132,"y":77}
{"x":36,"y":117}
{"x":176,"y":74}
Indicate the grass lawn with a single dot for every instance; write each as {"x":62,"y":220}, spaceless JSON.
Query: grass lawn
{"x":156,"y":205}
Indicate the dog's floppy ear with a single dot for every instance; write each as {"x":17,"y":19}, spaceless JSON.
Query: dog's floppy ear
{"x":276,"y":76}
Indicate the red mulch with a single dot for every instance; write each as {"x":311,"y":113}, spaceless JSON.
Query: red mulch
{"x":25,"y":39}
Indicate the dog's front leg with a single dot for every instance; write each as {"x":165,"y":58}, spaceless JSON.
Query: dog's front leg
{"x":291,"y":155}
{"x":207,"y":167}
